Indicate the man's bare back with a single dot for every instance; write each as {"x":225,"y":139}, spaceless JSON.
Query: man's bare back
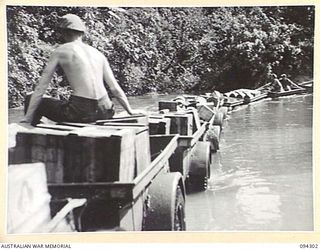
{"x":83,"y":66}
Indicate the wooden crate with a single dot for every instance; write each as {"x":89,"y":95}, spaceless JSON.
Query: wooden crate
{"x":28,"y":208}
{"x":171,"y":105}
{"x":141,"y":143}
{"x":181,"y":123}
{"x":205,"y":113}
{"x":81,"y":155}
{"x":159,"y":126}
{"x":196,"y":119}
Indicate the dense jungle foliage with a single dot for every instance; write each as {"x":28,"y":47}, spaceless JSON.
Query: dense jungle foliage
{"x":167,"y":49}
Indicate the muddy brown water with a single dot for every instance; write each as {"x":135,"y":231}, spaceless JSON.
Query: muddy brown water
{"x":262,"y":176}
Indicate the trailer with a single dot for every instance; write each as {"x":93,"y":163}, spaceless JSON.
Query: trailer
{"x":199,"y":133}
{"x":193,"y":159}
{"x":146,"y":198}
{"x":192,"y":156}
{"x":153,"y":201}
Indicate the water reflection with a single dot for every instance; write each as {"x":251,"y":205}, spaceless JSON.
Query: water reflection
{"x":258,"y":204}
{"x":262,"y":177}
{"x":254,"y":199}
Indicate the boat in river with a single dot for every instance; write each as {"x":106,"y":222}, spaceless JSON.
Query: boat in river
{"x":286,"y":93}
{"x":257,"y":97}
{"x":308,"y":86}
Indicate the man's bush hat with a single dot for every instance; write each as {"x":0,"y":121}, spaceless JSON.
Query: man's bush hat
{"x":71,"y":22}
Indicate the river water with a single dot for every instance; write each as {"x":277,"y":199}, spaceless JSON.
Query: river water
{"x":262,"y":176}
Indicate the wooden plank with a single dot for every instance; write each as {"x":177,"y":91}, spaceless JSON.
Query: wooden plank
{"x":126,"y":125}
{"x":116,"y":191}
{"x":131,"y":219}
{"x":142,"y":119}
{"x":57,"y":127}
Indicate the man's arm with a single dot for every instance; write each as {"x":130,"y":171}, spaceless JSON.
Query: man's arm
{"x":115,"y":88}
{"x":294,"y":84}
{"x":41,"y":87}
{"x":280,"y":85}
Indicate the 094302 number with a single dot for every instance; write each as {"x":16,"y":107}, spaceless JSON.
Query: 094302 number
{"x":311,"y":246}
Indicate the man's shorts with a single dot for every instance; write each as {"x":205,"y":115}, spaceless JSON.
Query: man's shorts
{"x":76,"y":109}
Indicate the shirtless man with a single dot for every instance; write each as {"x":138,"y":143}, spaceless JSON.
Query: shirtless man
{"x":276,"y":84}
{"x":86,"y":70}
{"x":288,"y":84}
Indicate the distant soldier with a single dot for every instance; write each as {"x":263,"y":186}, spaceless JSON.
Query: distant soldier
{"x":276,"y":85}
{"x":288,"y":84}
{"x":87,"y":70}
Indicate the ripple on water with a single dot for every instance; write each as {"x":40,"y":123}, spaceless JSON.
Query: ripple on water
{"x":262,"y":177}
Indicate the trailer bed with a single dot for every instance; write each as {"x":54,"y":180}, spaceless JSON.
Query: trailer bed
{"x":162,"y":147}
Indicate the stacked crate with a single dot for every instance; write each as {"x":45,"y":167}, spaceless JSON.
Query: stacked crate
{"x":159,"y":125}
{"x":169,"y":105}
{"x":181,"y":123}
{"x":205,"y":112}
{"x":80,"y":155}
{"x":141,"y":142}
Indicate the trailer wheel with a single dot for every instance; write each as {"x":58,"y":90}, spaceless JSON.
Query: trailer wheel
{"x":212,"y":136}
{"x":179,"y":212}
{"x":199,"y":169}
{"x":165,"y":206}
{"x":224,"y":111}
{"x":218,"y":119}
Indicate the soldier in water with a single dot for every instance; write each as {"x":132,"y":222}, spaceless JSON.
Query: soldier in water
{"x":86,"y":70}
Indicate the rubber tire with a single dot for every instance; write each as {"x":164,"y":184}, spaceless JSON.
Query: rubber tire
{"x":179,"y":212}
{"x":198,"y":183}
{"x":166,"y":209}
{"x":212,"y":136}
{"x":199,"y":169}
{"x":224,"y":111}
{"x":218,"y":119}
